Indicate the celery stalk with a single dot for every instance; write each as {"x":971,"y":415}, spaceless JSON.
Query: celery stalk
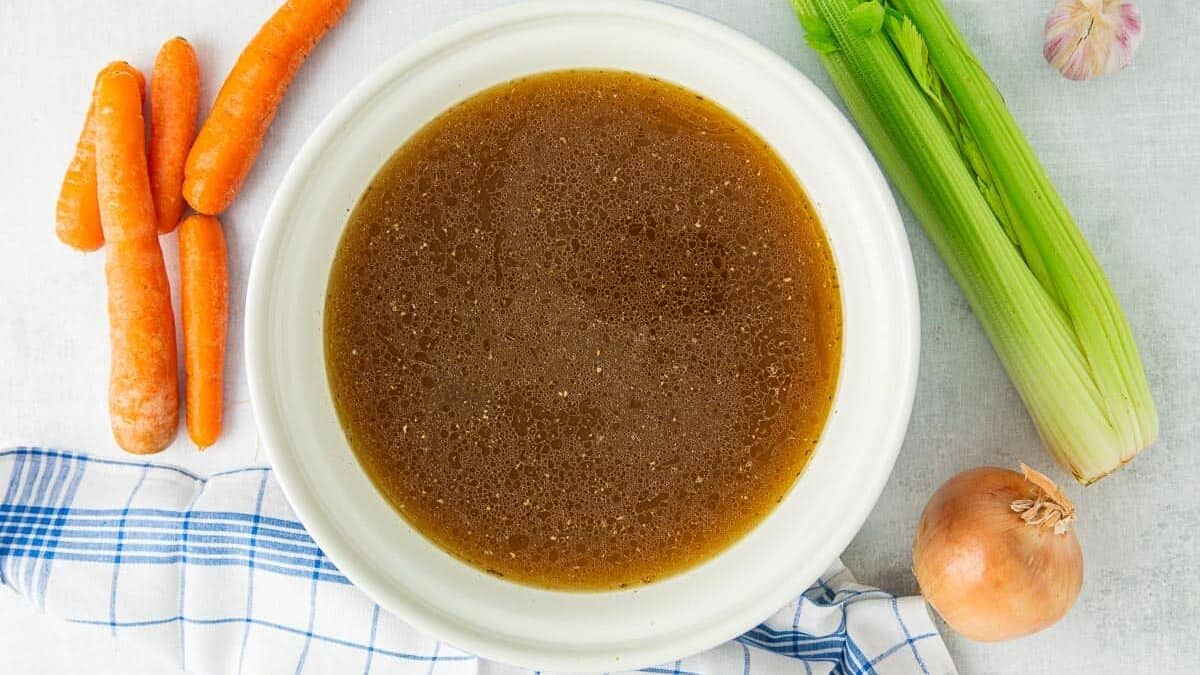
{"x":939,"y":128}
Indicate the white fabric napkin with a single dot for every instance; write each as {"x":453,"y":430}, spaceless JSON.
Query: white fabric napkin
{"x":219,"y":573}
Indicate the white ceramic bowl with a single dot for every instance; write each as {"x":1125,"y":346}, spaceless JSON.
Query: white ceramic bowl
{"x":498,"y":619}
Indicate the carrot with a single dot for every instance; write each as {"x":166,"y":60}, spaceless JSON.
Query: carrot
{"x":143,"y":394}
{"x":232,"y":135}
{"x":204,"y":280}
{"x":77,"y":212}
{"x":174,"y":97}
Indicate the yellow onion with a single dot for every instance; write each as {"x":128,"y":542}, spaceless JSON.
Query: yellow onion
{"x":995,"y":555}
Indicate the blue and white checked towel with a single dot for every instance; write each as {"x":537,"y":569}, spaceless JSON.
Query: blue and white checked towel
{"x":218,"y":572}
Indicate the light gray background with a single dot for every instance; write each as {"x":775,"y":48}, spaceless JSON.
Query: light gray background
{"x":1124,"y":151}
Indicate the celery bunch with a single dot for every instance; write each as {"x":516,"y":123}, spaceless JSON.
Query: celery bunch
{"x":940,"y":129}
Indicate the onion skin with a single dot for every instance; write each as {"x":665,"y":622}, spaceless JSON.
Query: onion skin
{"x":991,"y":575}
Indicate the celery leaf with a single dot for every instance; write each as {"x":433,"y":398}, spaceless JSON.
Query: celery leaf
{"x":867,"y":18}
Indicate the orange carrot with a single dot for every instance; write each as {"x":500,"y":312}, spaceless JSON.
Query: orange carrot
{"x":174,"y":97}
{"x":204,"y":281}
{"x":232,"y":135}
{"x":143,"y":394}
{"x":77,"y":212}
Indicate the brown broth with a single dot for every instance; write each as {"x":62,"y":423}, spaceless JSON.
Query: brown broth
{"x":583,"y":330}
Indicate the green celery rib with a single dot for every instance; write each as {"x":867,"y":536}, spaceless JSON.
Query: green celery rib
{"x":1070,"y":268}
{"x":1030,"y":331}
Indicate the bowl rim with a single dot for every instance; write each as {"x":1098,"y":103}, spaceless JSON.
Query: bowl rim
{"x":271,"y":423}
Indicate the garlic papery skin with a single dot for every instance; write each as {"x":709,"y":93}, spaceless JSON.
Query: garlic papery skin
{"x":1089,"y":38}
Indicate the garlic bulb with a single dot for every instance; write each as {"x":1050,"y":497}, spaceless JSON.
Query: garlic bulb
{"x":1089,"y":38}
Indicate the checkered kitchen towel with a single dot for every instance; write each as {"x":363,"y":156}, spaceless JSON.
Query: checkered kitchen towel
{"x":218,"y":572}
